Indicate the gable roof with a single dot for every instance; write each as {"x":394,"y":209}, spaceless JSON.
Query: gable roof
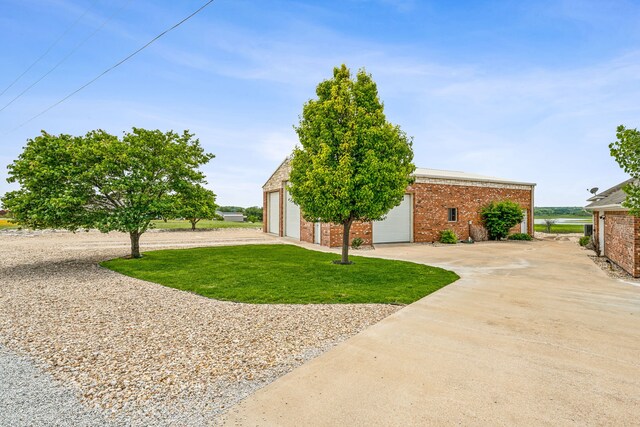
{"x":611,"y":198}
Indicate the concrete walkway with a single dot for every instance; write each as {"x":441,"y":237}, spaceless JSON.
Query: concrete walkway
{"x":533,"y":334}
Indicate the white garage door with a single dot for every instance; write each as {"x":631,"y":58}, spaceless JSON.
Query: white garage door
{"x":397,"y":226}
{"x":291,"y":217}
{"x":273,"y":211}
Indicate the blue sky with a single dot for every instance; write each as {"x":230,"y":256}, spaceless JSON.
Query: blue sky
{"x":531,"y":91}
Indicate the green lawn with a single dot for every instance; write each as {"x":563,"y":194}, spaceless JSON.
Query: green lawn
{"x":561,"y":228}
{"x":176,"y":224}
{"x":284,"y":274}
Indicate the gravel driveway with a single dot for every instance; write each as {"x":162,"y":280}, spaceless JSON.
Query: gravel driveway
{"x":140,"y":353}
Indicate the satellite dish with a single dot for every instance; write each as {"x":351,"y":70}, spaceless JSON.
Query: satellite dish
{"x":594,"y":190}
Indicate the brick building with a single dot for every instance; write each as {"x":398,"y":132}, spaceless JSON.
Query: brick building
{"x":617,"y":232}
{"x":436,"y":201}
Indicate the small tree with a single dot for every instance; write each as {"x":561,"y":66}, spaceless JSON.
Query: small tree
{"x":352,"y":165}
{"x":548,"y":223}
{"x":626,"y":151}
{"x":500,"y":217}
{"x":101,"y":181}
{"x":195,"y":203}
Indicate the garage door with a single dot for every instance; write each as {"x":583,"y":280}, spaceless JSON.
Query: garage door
{"x":273,"y":211}
{"x":397,"y":226}
{"x":291,"y":218}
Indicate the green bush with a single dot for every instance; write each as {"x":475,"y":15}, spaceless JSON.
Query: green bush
{"x":584,"y":240}
{"x":356,"y":243}
{"x":519,"y":236}
{"x":448,"y":236}
{"x":500,"y":217}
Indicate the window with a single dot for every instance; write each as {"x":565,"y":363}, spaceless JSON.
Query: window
{"x":453,"y":214}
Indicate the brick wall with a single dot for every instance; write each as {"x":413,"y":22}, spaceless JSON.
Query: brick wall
{"x":622,"y":238}
{"x":636,"y":247}
{"x":432,"y":200}
{"x":362,"y":230}
{"x":306,"y":230}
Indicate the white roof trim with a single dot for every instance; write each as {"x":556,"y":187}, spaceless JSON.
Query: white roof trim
{"x":464,"y":176}
{"x":605,"y":207}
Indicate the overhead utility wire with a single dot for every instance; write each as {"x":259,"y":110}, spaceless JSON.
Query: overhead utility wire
{"x":78,"y":46}
{"x":50,"y":47}
{"x":116,"y":65}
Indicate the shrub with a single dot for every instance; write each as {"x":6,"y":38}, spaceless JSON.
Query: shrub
{"x":500,"y":217}
{"x":448,"y":236}
{"x":584,"y":240}
{"x":356,"y":243}
{"x":548,"y":223}
{"x":519,"y":236}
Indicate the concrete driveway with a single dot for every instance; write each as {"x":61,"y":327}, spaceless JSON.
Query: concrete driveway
{"x":532,"y":334}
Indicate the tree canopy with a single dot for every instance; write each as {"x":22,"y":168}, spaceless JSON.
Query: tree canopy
{"x":626,"y":151}
{"x":352,"y":165}
{"x":101,"y":181}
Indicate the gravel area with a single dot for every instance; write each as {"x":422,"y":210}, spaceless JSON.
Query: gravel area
{"x":29,"y":396}
{"x":143,"y":354}
{"x":612,"y":269}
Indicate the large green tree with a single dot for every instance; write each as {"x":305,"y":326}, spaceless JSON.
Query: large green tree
{"x":626,"y":151}
{"x":194,"y":203}
{"x":102,"y":181}
{"x":353,"y":165}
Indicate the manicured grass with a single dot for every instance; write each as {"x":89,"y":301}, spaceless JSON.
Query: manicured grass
{"x":284,"y":274}
{"x":561,"y":228}
{"x":204,"y":224}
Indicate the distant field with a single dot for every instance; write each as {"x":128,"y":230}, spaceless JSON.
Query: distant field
{"x":204,"y":224}
{"x":561,"y":228}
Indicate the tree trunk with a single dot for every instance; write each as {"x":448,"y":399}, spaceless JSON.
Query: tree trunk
{"x":135,"y":244}
{"x":345,"y":242}
{"x":193,"y":225}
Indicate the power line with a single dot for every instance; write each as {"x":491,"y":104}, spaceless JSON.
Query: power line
{"x":116,"y":65}
{"x":78,"y":46}
{"x":55,"y":42}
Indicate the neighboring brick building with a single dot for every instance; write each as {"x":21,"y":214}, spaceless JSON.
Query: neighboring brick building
{"x":617,"y":233}
{"x":436,"y":201}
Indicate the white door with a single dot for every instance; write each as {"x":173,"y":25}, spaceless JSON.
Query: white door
{"x":523,"y":224}
{"x":396,"y":227}
{"x":291,"y":217}
{"x":273,"y":213}
{"x":601,"y":231}
{"x":316,"y":233}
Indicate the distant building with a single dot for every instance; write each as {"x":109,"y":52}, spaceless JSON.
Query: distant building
{"x":232,"y":216}
{"x":615,"y":230}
